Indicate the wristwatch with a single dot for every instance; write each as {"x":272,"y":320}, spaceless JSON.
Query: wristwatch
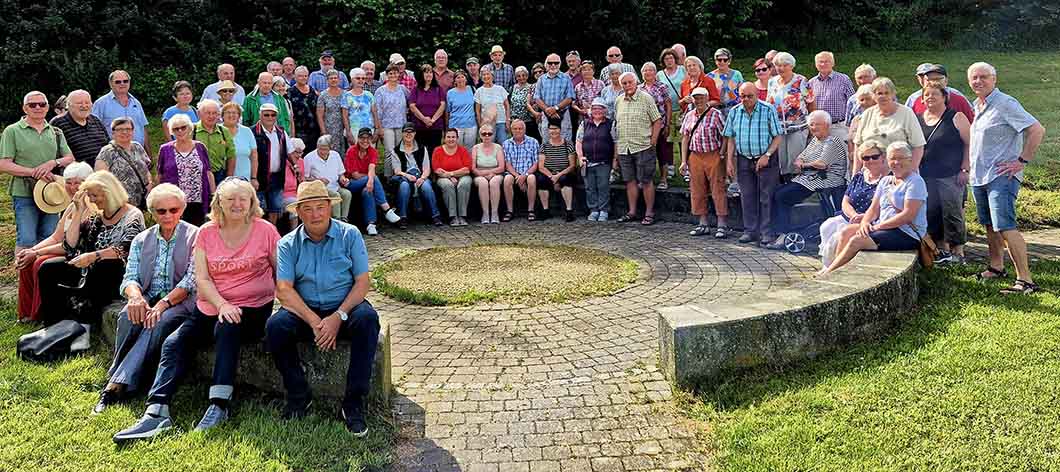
{"x":169,"y":304}
{"x":342,"y":315}
{"x":1023,"y":161}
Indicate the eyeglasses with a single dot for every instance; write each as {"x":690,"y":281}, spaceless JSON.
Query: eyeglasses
{"x":178,"y":128}
{"x":761,"y":69}
{"x":748,"y":95}
{"x":268,"y":113}
{"x":122,"y":81}
{"x":37,"y":104}
{"x":226,"y":91}
{"x":615,"y":55}
{"x":487,"y":134}
{"x":163,"y":211}
{"x":80,"y":282}
{"x":128,"y":129}
{"x":721,"y":59}
{"x":871,"y":157}
{"x":552,"y":63}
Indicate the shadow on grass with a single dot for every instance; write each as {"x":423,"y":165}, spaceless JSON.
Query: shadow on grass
{"x":928,"y":321}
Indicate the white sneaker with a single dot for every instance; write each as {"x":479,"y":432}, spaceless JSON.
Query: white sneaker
{"x":485,"y":220}
{"x":392,"y":216}
{"x":602,"y":217}
{"x":495,"y":220}
{"x":593,"y":216}
{"x":371,"y":230}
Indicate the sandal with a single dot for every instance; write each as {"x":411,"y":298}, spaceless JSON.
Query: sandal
{"x":531,"y":216}
{"x":663,"y":185}
{"x":700,"y":230}
{"x":506,"y":217}
{"x":648,"y":220}
{"x":1021,"y":286}
{"x":627,"y":218}
{"x":996,"y":274}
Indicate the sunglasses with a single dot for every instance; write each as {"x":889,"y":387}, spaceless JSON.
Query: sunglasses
{"x":872,"y":157}
{"x":163,"y":211}
{"x":614,"y":55}
{"x":574,"y":53}
{"x":487,"y":134}
{"x":233,"y":178}
{"x":748,"y":95}
{"x":178,"y":128}
{"x":552,"y":63}
{"x":37,"y":104}
{"x":122,"y":81}
{"x":226,"y":91}
{"x":721,"y":59}
{"x":268,"y":114}
{"x":762,"y":69}
{"x":80,"y":282}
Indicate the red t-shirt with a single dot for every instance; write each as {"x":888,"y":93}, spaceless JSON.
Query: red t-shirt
{"x":441,"y":160}
{"x":957,"y":103}
{"x":706,"y":82}
{"x":353,"y":163}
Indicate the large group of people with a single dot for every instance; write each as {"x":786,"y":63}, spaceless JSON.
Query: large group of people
{"x":309,"y":144}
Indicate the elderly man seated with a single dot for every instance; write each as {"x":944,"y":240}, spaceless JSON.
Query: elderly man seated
{"x":322,"y":279}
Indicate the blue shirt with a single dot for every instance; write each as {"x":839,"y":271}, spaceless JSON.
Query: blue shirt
{"x":174,"y":111}
{"x":211,"y":92}
{"x":160,"y":283}
{"x":996,"y":135}
{"x":322,"y":272}
{"x":318,"y":79}
{"x":753,"y":132}
{"x":245,"y":144}
{"x":553,"y":90}
{"x":521,"y":156}
{"x":893,"y":197}
{"x":107,"y":108}
{"x":461,"y":106}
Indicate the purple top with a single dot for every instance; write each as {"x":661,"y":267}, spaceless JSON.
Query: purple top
{"x":428,"y":102}
{"x":168,"y":173}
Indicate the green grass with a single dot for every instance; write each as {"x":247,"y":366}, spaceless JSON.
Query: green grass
{"x":969,"y":382}
{"x":45,"y":424}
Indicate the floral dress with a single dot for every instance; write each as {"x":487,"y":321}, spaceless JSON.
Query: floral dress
{"x":333,"y":123}
{"x":658,"y":91}
{"x":131,"y":169}
{"x":789,"y":100}
{"x":304,"y":110}
{"x":520,"y":107}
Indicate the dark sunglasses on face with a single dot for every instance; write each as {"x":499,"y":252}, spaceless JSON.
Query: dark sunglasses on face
{"x":37,"y":104}
{"x":762,"y":69}
{"x":614,"y":55}
{"x":163,"y":211}
{"x":552,"y":63}
{"x":871,"y":157}
{"x":748,"y":95}
{"x":179,"y":128}
{"x":122,"y":81}
{"x":721,"y":59}
{"x":487,"y":134}
{"x":268,"y":114}
{"x":226,"y":91}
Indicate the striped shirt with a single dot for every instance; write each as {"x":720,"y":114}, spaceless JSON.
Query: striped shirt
{"x":707,"y":137}
{"x":521,"y":155}
{"x":557,"y":157}
{"x":84,"y":141}
{"x":635,"y":116}
{"x":833,"y":151}
{"x":831,"y":94}
{"x":753,"y":131}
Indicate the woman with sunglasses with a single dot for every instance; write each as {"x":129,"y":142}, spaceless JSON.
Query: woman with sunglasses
{"x":185,"y":163}
{"x":487,"y":165}
{"x":128,"y":161}
{"x":763,"y":72}
{"x":727,"y":79}
{"x":155,"y":306}
{"x":856,"y":200}
{"x":81,"y":285}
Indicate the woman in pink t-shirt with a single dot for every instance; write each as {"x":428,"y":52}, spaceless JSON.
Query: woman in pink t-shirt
{"x":235,"y":274}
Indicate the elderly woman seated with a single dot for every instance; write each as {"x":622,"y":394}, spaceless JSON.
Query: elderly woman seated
{"x":87,"y":279}
{"x":159,"y":289}
{"x":897,"y":218}
{"x":54,"y":197}
{"x":856,"y":200}
{"x":821,"y":167}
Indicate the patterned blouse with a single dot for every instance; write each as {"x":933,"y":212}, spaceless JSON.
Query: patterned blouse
{"x":331,"y":106}
{"x":609,"y":94}
{"x":790,"y":101}
{"x":832,"y":151}
{"x":585,"y":92}
{"x":96,"y":235}
{"x":189,"y":170}
{"x":519,"y":97}
{"x":130,"y":167}
{"x":304,"y":110}
{"x":658,"y":91}
{"x":728,"y":85}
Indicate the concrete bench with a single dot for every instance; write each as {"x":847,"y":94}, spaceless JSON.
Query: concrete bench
{"x":700,"y":343}
{"x":325,"y":372}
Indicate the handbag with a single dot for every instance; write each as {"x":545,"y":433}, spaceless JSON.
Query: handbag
{"x":927,"y":251}
{"x":54,"y":342}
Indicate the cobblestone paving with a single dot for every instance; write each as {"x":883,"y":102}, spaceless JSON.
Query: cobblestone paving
{"x":572,"y":386}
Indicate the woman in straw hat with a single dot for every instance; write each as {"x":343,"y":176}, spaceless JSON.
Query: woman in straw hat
{"x":80,"y":285}
{"x":51,"y":197}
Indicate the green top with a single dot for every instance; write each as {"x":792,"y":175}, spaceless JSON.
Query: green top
{"x":252,"y":105}
{"x":219,"y":145}
{"x":30,"y":149}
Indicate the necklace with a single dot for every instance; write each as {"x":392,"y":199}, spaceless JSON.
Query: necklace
{"x":112,"y":215}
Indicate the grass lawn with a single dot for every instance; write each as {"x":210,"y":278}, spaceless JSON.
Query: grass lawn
{"x":45,"y":424}
{"x":969,"y":382}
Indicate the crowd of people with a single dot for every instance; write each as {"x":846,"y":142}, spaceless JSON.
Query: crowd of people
{"x":308,"y":144}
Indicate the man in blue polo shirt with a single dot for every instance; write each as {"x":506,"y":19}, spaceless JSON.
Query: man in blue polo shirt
{"x":754,"y":136}
{"x":322,"y":279}
{"x":119,"y":103}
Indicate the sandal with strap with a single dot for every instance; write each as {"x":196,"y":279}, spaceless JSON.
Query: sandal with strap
{"x":626,"y":218}
{"x":1021,"y":286}
{"x":648,"y":220}
{"x":995,"y":274}
{"x":506,"y":217}
{"x":700,"y":230}
{"x":531,"y":216}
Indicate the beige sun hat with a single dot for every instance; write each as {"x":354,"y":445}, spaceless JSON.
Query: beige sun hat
{"x":51,"y":197}
{"x":310,"y":191}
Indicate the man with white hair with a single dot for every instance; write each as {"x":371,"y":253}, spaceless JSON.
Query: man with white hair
{"x":831,"y":90}
{"x":288,"y":70}
{"x":553,"y":95}
{"x":1004,"y":139}
{"x":318,"y":79}
{"x":371,"y":83}
{"x":225,"y":72}
{"x":863,"y":75}
{"x":219,"y":142}
{"x":442,"y":73}
{"x":31,"y":150}
{"x":681,"y":52}
{"x":405,"y":76}
{"x":614,"y":59}
{"x":638,"y":121}
{"x":85,"y":134}
{"x":119,"y":103}
{"x":274,"y":68}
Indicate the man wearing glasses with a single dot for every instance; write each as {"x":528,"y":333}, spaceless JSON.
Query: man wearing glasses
{"x":29,"y":151}
{"x":225,"y":73}
{"x":553,"y":95}
{"x":754,"y":134}
{"x":614,"y":59}
{"x":119,"y":103}
{"x":274,"y":152}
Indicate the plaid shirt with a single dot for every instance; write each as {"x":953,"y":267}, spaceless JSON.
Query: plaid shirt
{"x":831,"y":94}
{"x":752,"y":132}
{"x":318,"y":79}
{"x":408,"y":80}
{"x":587,"y":91}
{"x":521,"y":156}
{"x":707,"y":137}
{"x":634,"y":117}
{"x":658,"y":91}
{"x":503,"y":76}
{"x":160,"y":283}
{"x":553,"y":90}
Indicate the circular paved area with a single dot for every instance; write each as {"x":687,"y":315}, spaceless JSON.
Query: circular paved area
{"x":574,"y":386}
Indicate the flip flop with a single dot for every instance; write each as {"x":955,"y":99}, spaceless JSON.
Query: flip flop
{"x":506,"y":217}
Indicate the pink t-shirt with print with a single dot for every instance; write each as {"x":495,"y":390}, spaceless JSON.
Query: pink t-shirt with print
{"x":244,"y":275}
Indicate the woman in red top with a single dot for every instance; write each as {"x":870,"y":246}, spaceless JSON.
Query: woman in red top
{"x":697,"y":78}
{"x":360,"y":170}
{"x":451,"y":164}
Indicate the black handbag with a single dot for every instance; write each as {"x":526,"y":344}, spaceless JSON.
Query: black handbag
{"x":54,"y":342}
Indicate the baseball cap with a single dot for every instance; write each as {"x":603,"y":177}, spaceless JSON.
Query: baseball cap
{"x":268,"y":107}
{"x":326,"y":53}
{"x":396,"y":58}
{"x":599,"y":102}
{"x":471,"y":60}
{"x":364,"y":132}
{"x":699,"y":91}
{"x":408,"y":127}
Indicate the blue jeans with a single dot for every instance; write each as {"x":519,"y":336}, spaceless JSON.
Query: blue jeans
{"x":404,"y":194}
{"x":500,"y":133}
{"x":31,"y":224}
{"x":368,"y":201}
{"x":219,"y":176}
{"x":178,"y":350}
{"x":995,"y":203}
{"x":136,"y":346}
{"x":285,"y":330}
{"x":598,"y":187}
{"x":271,"y":197}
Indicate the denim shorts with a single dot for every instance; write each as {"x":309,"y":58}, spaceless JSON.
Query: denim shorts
{"x":271,"y":198}
{"x":995,"y":203}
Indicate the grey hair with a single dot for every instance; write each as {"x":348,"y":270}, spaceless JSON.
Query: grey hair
{"x":206,"y":102}
{"x":324,"y":140}
{"x":273,"y":63}
{"x":163,"y":191}
{"x":221,"y":67}
{"x":110,"y":77}
{"x":34,"y":93}
{"x":78,"y":92}
{"x":627,"y":74}
{"x":297,"y":144}
{"x":982,"y":66}
{"x":698,"y":61}
{"x":884,"y":82}
{"x":356,"y":71}
{"x":278,"y":79}
{"x":332,"y":72}
{"x":865,"y":68}
{"x":522,"y":69}
{"x":121,"y":120}
{"x":77,"y":170}
{"x":367,"y":62}
{"x":863,"y":91}
{"x":784,"y":57}
{"x":900,"y":149}
{"x":301,"y":68}
{"x":648,"y":65}
{"x":178,"y":120}
{"x":819,"y":115}
{"x":441,"y":51}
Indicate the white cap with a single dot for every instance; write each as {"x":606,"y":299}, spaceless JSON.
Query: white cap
{"x":396,"y":58}
{"x":699,"y":91}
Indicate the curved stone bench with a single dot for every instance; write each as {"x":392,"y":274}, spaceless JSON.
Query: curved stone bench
{"x":701,"y":342}
{"x":325,"y":372}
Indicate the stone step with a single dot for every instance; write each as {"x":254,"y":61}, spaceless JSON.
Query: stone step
{"x":325,"y":371}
